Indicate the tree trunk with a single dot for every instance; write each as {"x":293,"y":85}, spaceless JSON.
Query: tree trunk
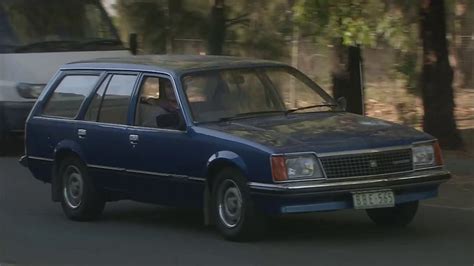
{"x":347,"y":77}
{"x":217,"y":28}
{"x":437,"y":76}
{"x":464,"y":18}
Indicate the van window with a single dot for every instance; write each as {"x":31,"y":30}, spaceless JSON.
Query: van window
{"x":69,"y":95}
{"x":55,"y":25}
{"x":114,"y":107}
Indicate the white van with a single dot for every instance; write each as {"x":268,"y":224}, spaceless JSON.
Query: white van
{"x":36,"y":37}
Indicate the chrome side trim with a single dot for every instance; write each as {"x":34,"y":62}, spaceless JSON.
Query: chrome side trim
{"x":152,"y":173}
{"x":191,"y":178}
{"x":199,"y":179}
{"x":310,"y":185}
{"x":155,"y":129}
{"x":105,"y":167}
{"x":41,"y":117}
{"x":40,"y":158}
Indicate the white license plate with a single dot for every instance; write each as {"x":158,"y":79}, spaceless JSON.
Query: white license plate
{"x":373,"y":199}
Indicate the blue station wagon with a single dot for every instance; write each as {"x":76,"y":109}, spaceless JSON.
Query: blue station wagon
{"x":244,"y":140}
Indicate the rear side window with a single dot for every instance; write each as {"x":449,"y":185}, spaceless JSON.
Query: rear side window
{"x":94,"y":107}
{"x":115,"y":103}
{"x":69,"y":95}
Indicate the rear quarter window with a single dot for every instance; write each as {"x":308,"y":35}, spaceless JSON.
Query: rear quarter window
{"x":69,"y":95}
{"x":115,"y":104}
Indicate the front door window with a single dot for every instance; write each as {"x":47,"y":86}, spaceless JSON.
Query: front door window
{"x":157,"y":104}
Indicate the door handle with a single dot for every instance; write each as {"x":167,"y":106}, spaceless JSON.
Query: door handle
{"x":133,"y":139}
{"x":82,"y":133}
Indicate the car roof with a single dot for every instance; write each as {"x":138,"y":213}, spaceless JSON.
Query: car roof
{"x":172,"y":64}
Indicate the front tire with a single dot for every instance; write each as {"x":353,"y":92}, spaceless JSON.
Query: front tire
{"x":399,"y":216}
{"x":3,"y":137}
{"x":80,"y":199}
{"x":234,"y":212}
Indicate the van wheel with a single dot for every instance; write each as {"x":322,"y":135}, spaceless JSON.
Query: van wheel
{"x":80,"y":199}
{"x":398,"y":216}
{"x":234,"y":212}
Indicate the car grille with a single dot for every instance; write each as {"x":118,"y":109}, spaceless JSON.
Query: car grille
{"x":367,"y":163}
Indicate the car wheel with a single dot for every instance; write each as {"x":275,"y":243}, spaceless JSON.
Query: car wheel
{"x":235,"y":215}
{"x":3,"y":144}
{"x":80,"y":199}
{"x":3,"y":138}
{"x":398,"y":216}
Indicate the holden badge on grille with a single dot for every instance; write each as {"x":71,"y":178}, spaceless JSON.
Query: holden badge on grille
{"x":373,"y":163}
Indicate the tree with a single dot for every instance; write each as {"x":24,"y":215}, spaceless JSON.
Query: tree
{"x":219,"y":23}
{"x":158,"y":22}
{"x":350,"y":24}
{"x":217,"y":28}
{"x":437,"y":76}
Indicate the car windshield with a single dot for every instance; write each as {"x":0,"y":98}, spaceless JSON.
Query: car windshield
{"x":236,"y":93}
{"x":55,"y":25}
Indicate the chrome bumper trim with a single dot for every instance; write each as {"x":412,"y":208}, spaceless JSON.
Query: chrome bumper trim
{"x":436,"y":176}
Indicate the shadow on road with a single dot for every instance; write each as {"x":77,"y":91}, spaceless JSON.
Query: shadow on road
{"x":346,"y":226}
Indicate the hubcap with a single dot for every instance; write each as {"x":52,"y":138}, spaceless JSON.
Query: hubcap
{"x":230,"y":203}
{"x":73,"y":186}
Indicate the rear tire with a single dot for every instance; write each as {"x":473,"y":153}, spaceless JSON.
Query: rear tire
{"x":399,"y":216}
{"x":80,"y":199}
{"x":234,"y":212}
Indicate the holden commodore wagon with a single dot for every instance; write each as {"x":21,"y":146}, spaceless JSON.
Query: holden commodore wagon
{"x":244,"y":140}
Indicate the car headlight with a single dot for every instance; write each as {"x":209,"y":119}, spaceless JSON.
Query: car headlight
{"x":29,"y":91}
{"x":426,"y":155}
{"x":295,"y":167}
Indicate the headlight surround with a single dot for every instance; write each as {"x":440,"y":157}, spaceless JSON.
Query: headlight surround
{"x":296,"y":167}
{"x":29,"y":91}
{"x":426,"y":155}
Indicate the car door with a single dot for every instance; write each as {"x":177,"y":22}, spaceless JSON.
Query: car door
{"x":158,"y":169}
{"x":54,"y":120}
{"x":102,"y":132}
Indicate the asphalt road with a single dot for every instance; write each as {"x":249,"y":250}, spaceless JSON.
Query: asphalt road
{"x":33,"y":230}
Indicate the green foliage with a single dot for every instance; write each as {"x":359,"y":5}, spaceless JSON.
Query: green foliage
{"x":156,"y":21}
{"x":407,"y":68}
{"x":367,"y":23}
{"x":265,"y":33}
{"x":356,"y":22}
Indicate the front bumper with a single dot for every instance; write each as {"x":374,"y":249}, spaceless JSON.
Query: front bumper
{"x":325,"y":195}
{"x":13,"y":116}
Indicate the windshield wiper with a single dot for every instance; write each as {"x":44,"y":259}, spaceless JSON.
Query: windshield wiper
{"x":309,"y":107}
{"x":249,"y":114}
{"x":46,"y":44}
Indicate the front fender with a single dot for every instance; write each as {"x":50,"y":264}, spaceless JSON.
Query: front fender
{"x":227,"y":157}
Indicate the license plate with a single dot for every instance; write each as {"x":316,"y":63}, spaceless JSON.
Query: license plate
{"x":373,"y":199}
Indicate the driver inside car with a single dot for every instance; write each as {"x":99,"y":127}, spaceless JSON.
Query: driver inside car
{"x":151,"y":106}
